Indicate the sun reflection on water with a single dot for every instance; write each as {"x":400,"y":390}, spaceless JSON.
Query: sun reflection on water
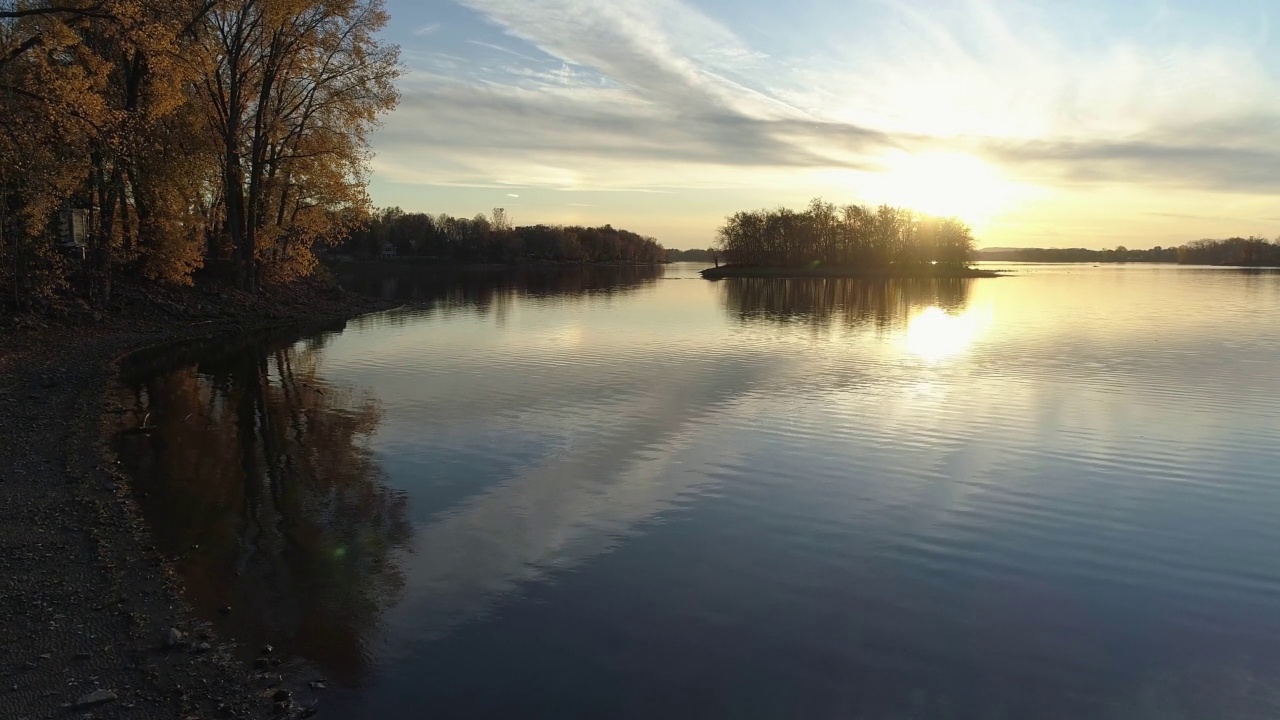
{"x":934,"y":334}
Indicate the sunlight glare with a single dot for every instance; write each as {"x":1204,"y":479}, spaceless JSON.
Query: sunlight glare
{"x":949,"y":184}
{"x":934,"y":334}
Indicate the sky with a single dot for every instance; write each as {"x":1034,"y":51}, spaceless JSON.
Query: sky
{"x":1049,"y":123}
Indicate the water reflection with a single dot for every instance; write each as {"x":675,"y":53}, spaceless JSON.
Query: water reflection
{"x":256,"y":473}
{"x":751,"y":498}
{"x":934,"y":334}
{"x":822,"y":303}
{"x":483,"y":288}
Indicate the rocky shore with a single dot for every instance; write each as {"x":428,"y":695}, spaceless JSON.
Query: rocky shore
{"x":94,"y":620}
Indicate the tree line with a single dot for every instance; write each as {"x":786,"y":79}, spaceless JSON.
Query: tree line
{"x":1232,"y":251}
{"x":847,"y":236}
{"x":707,"y":255}
{"x":1119,"y":254}
{"x":172,"y":135}
{"x":1235,"y":251}
{"x":493,"y":239}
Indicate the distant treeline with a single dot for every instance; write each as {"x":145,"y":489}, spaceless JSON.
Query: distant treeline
{"x":1232,"y":251}
{"x":848,"y":236}
{"x":707,"y":255}
{"x":492,"y":239}
{"x":1079,"y":255}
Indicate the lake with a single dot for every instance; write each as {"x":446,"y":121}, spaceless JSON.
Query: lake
{"x":630,"y":492}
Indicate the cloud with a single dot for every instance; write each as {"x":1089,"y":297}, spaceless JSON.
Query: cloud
{"x":615,"y":94}
{"x":427,"y":30}
{"x":646,"y":47}
{"x":595,"y":135}
{"x":1234,"y":156}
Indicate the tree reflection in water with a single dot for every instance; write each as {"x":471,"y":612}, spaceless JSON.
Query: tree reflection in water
{"x":294,"y":527}
{"x":481,"y":288}
{"x":884,"y":304}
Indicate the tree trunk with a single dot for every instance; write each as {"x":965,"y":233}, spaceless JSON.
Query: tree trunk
{"x":234,"y":191}
{"x":4,"y":233}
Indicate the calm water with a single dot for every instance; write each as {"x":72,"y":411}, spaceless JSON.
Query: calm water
{"x":634,"y":493}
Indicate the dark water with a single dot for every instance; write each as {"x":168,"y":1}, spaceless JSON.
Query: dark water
{"x":630,"y":493}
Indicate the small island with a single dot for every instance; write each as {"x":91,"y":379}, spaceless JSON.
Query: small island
{"x":852,"y":241}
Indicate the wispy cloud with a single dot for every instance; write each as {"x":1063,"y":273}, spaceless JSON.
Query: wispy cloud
{"x":616,"y":94}
{"x":427,"y":30}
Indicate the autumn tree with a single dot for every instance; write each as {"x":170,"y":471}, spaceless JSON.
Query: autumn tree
{"x":187,"y":129}
{"x":293,"y":89}
{"x":49,"y":108}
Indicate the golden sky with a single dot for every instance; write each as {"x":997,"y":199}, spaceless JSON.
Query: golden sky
{"x":1041,"y":123}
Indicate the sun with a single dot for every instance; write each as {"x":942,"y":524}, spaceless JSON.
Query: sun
{"x":949,"y":184}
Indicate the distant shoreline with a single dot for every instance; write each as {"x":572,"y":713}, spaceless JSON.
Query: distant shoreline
{"x":828,"y":271}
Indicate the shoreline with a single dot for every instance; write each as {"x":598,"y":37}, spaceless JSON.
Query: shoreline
{"x":88,"y":600}
{"x":831,"y":272}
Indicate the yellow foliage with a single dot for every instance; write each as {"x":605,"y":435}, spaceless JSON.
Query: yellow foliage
{"x":188,"y":125}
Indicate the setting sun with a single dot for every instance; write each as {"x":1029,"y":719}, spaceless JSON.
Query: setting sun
{"x":948,"y":184}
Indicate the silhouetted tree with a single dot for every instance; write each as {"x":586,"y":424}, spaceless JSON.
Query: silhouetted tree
{"x":1251,"y":251}
{"x":852,"y":236}
{"x":485,"y":239}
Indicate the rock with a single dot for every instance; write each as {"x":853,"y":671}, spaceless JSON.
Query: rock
{"x":266,"y":650}
{"x":271,"y":680}
{"x":225,"y":610}
{"x":308,"y":712}
{"x":280,"y":709}
{"x":173,"y":637}
{"x":95,"y":698}
{"x":317,"y":685}
{"x":261,"y":663}
{"x":283,"y":696}
{"x":204,"y":647}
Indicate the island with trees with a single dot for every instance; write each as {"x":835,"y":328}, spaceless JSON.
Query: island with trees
{"x":824,"y":240}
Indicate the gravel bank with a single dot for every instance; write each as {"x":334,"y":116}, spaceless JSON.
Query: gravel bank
{"x":88,"y":605}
